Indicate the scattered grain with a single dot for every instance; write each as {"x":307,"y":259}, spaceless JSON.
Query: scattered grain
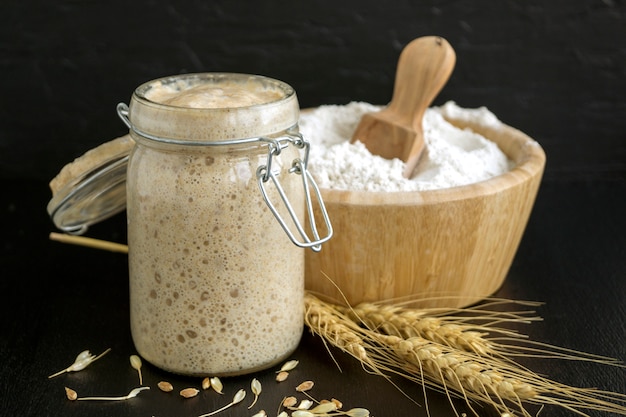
{"x":305,"y":404}
{"x":70,"y":394}
{"x":239,"y":396}
{"x":305,"y":386}
{"x":324,"y":408}
{"x":338,"y":403}
{"x":84,"y":359}
{"x":289,"y":365}
{"x":289,"y":402}
{"x":358,"y":412}
{"x":217,"y":385}
{"x":206,"y":383}
{"x":189,"y":392}
{"x":135,"y":362}
{"x":255,"y":387}
{"x":165,"y":386}
{"x":282,"y":376}
{"x":302,"y":413}
{"x":132,"y":394}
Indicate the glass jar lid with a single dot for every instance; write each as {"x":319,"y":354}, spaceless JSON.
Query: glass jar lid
{"x":92,"y":188}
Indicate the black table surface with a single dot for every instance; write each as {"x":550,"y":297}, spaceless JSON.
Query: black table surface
{"x":60,"y":299}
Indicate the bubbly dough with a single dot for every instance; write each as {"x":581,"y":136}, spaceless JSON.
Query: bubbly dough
{"x":216,"y":285}
{"x":210,"y":96}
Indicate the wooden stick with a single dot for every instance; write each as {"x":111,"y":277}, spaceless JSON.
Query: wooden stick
{"x":89,"y":242}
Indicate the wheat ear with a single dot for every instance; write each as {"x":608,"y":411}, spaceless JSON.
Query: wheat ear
{"x":406,"y":323}
{"x":447,"y":351}
{"x":489,"y":381}
{"x":338,"y":331}
{"x":471,"y":329}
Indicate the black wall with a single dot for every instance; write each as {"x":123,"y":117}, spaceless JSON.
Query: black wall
{"x":554,"y":69}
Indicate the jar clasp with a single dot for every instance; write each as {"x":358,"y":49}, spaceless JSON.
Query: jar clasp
{"x":298,"y":167}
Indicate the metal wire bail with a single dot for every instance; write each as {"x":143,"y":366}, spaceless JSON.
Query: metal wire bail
{"x":298,"y":167}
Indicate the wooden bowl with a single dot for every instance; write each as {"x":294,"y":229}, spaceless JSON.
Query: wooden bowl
{"x":450,"y":247}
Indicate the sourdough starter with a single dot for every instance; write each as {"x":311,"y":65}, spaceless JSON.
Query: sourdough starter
{"x":216,"y":285}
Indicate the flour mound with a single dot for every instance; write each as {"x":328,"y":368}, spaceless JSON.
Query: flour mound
{"x":452,"y":156}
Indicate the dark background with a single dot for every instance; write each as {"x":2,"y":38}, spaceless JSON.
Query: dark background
{"x":554,"y":69}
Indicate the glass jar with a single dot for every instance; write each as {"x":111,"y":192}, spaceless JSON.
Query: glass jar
{"x":216,"y":185}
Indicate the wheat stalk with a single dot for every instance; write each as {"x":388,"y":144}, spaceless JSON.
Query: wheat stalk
{"x":463,"y":374}
{"x":461,"y":329}
{"x":335,"y":329}
{"x":488,"y":380}
{"x":449,"y":354}
{"x":406,"y":323}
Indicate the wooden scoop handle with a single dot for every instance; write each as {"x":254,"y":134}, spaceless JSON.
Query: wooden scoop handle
{"x":424,"y":67}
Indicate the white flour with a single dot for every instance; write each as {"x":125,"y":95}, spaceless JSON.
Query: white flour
{"x":452,"y":156}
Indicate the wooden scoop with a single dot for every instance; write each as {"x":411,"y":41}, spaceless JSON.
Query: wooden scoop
{"x":424,"y":67}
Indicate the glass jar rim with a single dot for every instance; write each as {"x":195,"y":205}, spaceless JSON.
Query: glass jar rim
{"x":188,"y":80}
{"x":257,"y":106}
